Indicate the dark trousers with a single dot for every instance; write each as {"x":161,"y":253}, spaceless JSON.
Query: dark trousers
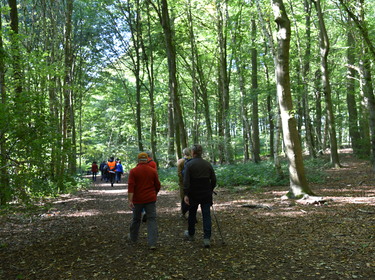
{"x":152,"y":227}
{"x":118,"y":177}
{"x":112,"y":177}
{"x":206,"y":216}
{"x":94,"y":176}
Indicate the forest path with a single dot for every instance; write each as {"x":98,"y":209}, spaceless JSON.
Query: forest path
{"x":84,"y":236}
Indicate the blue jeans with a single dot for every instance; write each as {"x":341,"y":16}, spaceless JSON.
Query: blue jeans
{"x":152,"y":227}
{"x":206,"y":216}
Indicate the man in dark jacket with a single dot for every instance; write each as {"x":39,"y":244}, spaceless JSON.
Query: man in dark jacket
{"x":199,"y":183}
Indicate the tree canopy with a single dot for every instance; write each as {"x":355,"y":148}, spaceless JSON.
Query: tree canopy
{"x":83,"y":80}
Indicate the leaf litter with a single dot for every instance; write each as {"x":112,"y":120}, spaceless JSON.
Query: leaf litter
{"x":84,"y":236}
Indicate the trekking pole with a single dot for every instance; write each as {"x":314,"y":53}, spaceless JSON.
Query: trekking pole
{"x":217,"y":223}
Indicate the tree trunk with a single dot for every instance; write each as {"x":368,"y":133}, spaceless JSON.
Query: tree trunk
{"x":298,"y":182}
{"x":171,"y":132}
{"x":350,"y":95}
{"x":324,"y":50}
{"x":149,"y":62}
{"x":366,"y":75}
{"x":318,"y":114}
{"x":368,"y":91}
{"x":223,"y":85}
{"x":68,"y":114}
{"x":305,"y":74}
{"x":16,"y":53}
{"x":270,"y":114}
{"x":276,"y":118}
{"x":194,"y":80}
{"x":134,"y":22}
{"x":4,"y":179}
{"x":181,"y":137}
{"x":244,"y":111}
{"x":254,"y":87}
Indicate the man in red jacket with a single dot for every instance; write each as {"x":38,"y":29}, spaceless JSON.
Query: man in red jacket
{"x":143,"y":187}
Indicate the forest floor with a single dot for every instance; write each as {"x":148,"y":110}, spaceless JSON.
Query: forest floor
{"x":83,"y":236}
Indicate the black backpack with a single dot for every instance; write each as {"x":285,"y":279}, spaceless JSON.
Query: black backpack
{"x":183,"y":169}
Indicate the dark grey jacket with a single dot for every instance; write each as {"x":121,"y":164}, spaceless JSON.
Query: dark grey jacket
{"x":199,"y":180}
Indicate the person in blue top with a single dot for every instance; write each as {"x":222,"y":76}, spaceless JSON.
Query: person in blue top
{"x":119,"y":171}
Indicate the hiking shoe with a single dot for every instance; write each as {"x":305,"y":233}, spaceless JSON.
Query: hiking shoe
{"x":187,"y":236}
{"x":206,"y":243}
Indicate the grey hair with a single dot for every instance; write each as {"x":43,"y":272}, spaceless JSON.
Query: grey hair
{"x":197,"y":150}
{"x":186,"y":152}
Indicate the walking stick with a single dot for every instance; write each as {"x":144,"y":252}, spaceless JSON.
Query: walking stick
{"x":217,"y":223}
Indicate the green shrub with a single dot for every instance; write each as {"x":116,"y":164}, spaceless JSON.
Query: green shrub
{"x":168,"y":178}
{"x":250,"y":175}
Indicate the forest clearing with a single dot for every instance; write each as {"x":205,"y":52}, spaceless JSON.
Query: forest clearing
{"x":83,"y":236}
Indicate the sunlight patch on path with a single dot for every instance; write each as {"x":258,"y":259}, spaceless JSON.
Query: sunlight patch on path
{"x":91,"y":212}
{"x":109,"y":191}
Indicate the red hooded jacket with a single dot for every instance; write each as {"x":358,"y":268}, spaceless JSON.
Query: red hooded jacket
{"x":144,"y":183}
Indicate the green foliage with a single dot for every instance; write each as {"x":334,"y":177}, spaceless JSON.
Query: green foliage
{"x":168,"y":178}
{"x":251,"y":175}
{"x":315,"y":169}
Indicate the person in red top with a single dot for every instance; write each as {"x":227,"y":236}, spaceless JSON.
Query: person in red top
{"x":150,"y":160}
{"x":143,"y":188}
{"x":94,"y":170}
{"x":151,"y":163}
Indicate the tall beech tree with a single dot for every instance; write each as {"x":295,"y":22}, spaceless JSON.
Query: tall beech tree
{"x":255,"y":96}
{"x":350,"y":93}
{"x":324,"y":51}
{"x":225,"y":148}
{"x":69,"y":132}
{"x":366,"y":75}
{"x":276,"y":129}
{"x":298,"y":183}
{"x":180,"y":132}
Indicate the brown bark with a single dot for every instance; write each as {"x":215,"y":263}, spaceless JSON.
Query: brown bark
{"x":254,"y":87}
{"x":324,"y":50}
{"x":298,"y":183}
{"x":350,"y":95}
{"x":180,"y":133}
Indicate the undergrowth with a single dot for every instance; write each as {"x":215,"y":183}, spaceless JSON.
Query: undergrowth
{"x":250,"y":175}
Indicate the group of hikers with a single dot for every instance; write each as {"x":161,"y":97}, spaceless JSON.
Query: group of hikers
{"x":110,"y":170}
{"x":197,"y":181}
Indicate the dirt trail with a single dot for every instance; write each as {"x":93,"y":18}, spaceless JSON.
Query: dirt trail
{"x":84,"y":236}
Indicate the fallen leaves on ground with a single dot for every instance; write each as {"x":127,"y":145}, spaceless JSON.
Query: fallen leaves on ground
{"x":84,"y":236}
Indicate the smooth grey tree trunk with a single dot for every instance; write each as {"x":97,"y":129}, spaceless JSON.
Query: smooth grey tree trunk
{"x":298,"y":183}
{"x":324,"y":50}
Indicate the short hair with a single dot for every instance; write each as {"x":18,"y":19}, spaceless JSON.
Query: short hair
{"x":196,"y":150}
{"x":149,"y":153}
{"x":186,"y":152}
